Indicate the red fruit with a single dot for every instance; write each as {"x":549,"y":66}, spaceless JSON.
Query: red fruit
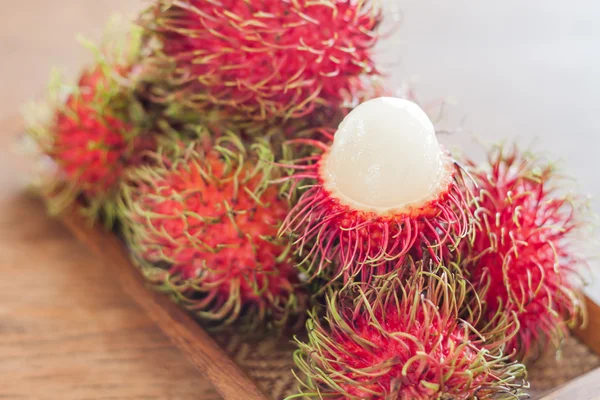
{"x":377,"y":194}
{"x":90,"y":146}
{"x":90,"y":141}
{"x":522,"y":250}
{"x":91,"y":135}
{"x":206,"y":223}
{"x":271,"y":58}
{"x":408,"y":340}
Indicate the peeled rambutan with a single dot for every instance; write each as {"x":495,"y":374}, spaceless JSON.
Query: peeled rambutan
{"x":202,"y":222}
{"x":382,"y":190}
{"x":522,"y":250}
{"x":265,"y":59}
{"x":406,"y":338}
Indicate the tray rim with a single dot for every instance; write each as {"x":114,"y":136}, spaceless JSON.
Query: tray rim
{"x":229,"y":380}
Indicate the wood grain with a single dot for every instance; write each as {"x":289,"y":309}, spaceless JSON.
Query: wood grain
{"x":67,"y":330}
{"x":229,"y":380}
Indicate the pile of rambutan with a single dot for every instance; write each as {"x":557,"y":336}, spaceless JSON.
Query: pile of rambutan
{"x":247,"y":154}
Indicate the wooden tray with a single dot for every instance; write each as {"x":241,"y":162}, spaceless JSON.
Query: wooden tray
{"x":233,"y":383}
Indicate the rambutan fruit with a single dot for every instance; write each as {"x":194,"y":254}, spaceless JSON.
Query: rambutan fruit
{"x":522,"y":250}
{"x":202,"y":222}
{"x":406,"y":338}
{"x":219,"y":120}
{"x":91,"y":135}
{"x":383,"y":189}
{"x":263,"y":59}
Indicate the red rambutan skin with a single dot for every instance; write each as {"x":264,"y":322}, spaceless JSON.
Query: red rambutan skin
{"x":404,"y":340}
{"x":276,"y":58}
{"x":213,"y":223}
{"x":522,"y":248}
{"x":90,"y":139}
{"x":332,"y":235}
{"x":89,"y":147}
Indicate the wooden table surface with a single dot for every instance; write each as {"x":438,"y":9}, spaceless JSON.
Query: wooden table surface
{"x":66,"y":330}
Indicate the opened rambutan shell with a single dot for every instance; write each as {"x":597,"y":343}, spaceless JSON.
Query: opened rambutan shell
{"x":203,"y":223}
{"x":355,"y":215}
{"x":523,"y":249}
{"x":274,"y":58}
{"x":406,"y":338}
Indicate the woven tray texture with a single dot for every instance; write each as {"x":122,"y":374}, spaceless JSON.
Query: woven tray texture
{"x":269,"y":363}
{"x":553,"y":370}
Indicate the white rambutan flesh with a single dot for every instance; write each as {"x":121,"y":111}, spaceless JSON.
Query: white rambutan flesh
{"x":385,"y":158}
{"x":381,"y":189}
